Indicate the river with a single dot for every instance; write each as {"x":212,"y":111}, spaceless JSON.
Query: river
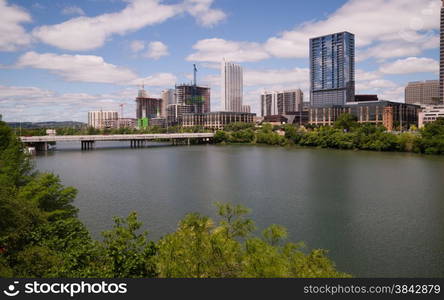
{"x":378,"y":214}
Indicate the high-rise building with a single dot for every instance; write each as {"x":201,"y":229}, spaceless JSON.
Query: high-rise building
{"x":193,"y":95}
{"x":332,"y":69}
{"x":148,"y":108}
{"x":231,"y":87}
{"x":422,"y":92}
{"x":103,"y":119}
{"x":281,"y":102}
{"x":441,"y":61}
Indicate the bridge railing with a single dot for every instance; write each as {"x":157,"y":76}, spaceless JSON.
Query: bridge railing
{"x":122,"y":137}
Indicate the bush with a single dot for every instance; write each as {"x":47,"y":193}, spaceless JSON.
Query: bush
{"x":242,"y":136}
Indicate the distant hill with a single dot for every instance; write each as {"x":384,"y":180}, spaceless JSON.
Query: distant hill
{"x":48,"y":124}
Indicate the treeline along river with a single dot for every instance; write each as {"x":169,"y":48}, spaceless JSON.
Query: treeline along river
{"x":379,"y":214}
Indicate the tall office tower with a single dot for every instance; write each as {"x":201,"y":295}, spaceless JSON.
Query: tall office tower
{"x":441,"y":61}
{"x":332,"y":69}
{"x":198,"y":97}
{"x":232,"y":87}
{"x":281,"y":102}
{"x":148,"y":108}
{"x":422,"y":92}
{"x":103,"y":119}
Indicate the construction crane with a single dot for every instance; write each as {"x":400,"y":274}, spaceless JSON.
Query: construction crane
{"x":121,"y":109}
{"x":195,"y":75}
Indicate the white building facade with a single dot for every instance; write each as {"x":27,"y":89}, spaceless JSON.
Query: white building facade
{"x":103,"y":119}
{"x":232,"y":87}
{"x":281,"y":102}
{"x":429,"y":114}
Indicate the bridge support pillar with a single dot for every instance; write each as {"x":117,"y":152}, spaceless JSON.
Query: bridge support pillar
{"x":87,"y":145}
{"x":43,"y":146}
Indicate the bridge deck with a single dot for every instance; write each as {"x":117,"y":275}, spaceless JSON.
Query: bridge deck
{"x":123,"y":137}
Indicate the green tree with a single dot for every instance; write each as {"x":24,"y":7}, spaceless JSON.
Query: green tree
{"x":346,"y":122}
{"x":233,"y":127}
{"x":221,"y":137}
{"x":128,"y":253}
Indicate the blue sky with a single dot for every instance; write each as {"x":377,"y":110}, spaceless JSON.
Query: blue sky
{"x":59,"y":59}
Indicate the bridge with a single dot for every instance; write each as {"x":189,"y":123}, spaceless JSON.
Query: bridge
{"x":41,"y":143}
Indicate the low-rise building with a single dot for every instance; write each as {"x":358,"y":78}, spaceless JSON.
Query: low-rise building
{"x":159,"y":122}
{"x":297,"y":118}
{"x":217,"y":120}
{"x":391,"y":115}
{"x":175,"y":113}
{"x":126,"y":123}
{"x":429,"y":114}
{"x":103,"y":119}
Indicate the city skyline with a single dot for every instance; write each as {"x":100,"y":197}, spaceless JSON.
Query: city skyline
{"x":58,"y":62}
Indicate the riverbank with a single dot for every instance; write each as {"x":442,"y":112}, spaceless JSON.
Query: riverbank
{"x":346,"y":135}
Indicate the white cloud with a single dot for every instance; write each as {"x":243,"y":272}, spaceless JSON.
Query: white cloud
{"x":296,"y":77}
{"x":364,"y":75}
{"x":375,"y":85}
{"x":73,"y":10}
{"x":81,"y":68}
{"x":398,"y":48}
{"x":15,"y":91}
{"x":411,"y":65}
{"x":214,"y":50}
{"x":137,"y":46}
{"x":49,"y":105}
{"x":87,"y":33}
{"x":157,"y":50}
{"x":395,"y":94}
{"x":89,"y":68}
{"x":12,"y":34}
{"x":409,"y":22}
{"x":161,"y":79}
{"x":202,"y":11}
{"x":397,"y":28}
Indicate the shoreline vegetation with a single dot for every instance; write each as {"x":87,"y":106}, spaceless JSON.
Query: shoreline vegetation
{"x":345,"y":134}
{"x":41,"y":237}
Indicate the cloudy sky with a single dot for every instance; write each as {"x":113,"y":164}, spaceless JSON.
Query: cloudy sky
{"x":59,"y":59}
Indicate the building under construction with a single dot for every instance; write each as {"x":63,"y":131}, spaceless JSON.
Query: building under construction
{"x":148,"y":108}
{"x":198,"y":97}
{"x":189,"y":99}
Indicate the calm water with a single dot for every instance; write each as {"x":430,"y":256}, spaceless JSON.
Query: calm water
{"x":379,"y":214}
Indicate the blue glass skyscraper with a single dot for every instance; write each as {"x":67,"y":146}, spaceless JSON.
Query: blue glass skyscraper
{"x":332,"y":69}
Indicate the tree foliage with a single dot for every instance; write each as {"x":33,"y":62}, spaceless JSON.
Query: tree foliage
{"x":346,"y":134}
